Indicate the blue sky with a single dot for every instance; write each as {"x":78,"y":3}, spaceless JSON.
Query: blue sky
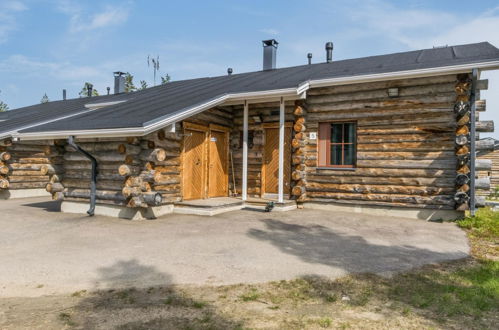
{"x":48,"y":45}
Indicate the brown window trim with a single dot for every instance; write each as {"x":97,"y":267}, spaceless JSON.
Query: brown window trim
{"x":324,"y":157}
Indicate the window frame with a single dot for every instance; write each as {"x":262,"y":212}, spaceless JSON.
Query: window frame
{"x":325,"y":143}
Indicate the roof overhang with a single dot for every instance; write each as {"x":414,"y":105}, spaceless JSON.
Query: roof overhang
{"x":252,"y":97}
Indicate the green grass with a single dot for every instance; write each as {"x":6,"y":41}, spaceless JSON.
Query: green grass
{"x":485,"y":224}
{"x":251,"y":295}
{"x":465,"y":291}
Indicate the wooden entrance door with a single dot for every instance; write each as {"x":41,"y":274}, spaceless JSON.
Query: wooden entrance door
{"x":270,"y":170}
{"x":218,"y":167}
{"x":194,"y":161}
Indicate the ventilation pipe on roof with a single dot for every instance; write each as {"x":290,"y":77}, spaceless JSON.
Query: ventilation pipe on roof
{"x":119,"y":82}
{"x":229,"y":71}
{"x":329,"y":52}
{"x":89,"y":90}
{"x":64,"y":94}
{"x":269,"y":54}
{"x":108,"y":90}
{"x":95,"y":171}
{"x":309,"y":56}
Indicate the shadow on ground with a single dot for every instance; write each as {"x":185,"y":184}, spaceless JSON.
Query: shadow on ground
{"x":48,"y":206}
{"x":160,"y":307}
{"x":320,"y":245}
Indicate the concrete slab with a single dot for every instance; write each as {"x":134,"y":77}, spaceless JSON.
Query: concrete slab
{"x":45,"y":251}
{"x":23,"y":193}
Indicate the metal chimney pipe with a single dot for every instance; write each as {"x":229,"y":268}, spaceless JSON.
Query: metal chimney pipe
{"x":329,"y":52}
{"x":119,"y":82}
{"x":64,"y":94}
{"x":89,"y":90}
{"x":269,"y":54}
{"x":108,"y":90}
{"x":309,"y":56}
{"x":229,"y":71}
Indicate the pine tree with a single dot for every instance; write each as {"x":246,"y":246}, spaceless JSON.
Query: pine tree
{"x":129,"y":86}
{"x":165,"y":79}
{"x":143,"y":84}
{"x":3,"y":106}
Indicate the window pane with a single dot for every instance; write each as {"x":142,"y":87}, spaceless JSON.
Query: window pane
{"x":336,"y":133}
{"x":349,"y":133}
{"x":335,"y":154}
{"x":349,"y":154}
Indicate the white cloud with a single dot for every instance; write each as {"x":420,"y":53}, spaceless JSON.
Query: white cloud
{"x":81,"y":20}
{"x":8,"y":14}
{"x":270,"y":31}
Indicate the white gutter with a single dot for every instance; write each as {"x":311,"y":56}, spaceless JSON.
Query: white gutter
{"x":289,"y":92}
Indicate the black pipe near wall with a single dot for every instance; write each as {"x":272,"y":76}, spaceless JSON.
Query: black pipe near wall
{"x":95,"y":171}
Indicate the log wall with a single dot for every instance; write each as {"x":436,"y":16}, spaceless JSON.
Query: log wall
{"x":29,"y":164}
{"x":493,"y":173}
{"x":405,"y":144}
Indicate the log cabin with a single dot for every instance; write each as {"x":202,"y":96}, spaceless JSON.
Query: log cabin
{"x":393,"y":134}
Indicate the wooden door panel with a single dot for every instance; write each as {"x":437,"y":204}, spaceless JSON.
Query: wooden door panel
{"x":217,"y":168}
{"x":194,"y":164}
{"x":271,"y":161}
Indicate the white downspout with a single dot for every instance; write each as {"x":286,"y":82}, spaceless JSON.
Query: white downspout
{"x":281,"y":152}
{"x":245,"y":153}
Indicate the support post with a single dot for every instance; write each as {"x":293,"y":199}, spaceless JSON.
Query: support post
{"x":280,"y":198}
{"x":244,"y":194}
{"x":472,"y":142}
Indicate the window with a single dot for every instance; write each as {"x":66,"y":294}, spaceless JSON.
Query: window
{"x":337,"y":144}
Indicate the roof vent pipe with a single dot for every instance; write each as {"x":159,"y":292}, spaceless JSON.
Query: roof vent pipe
{"x":119,"y":82}
{"x":108,"y":90}
{"x":89,"y":90}
{"x":269,"y":54}
{"x":229,"y":71}
{"x":309,"y":56}
{"x":329,"y":52}
{"x":64,"y":94}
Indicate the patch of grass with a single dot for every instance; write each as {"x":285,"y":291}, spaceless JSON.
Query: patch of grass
{"x":251,"y":295}
{"x":199,"y":304}
{"x":466,"y":291}
{"x":66,"y":319}
{"x":484,"y":224}
{"x":39,"y":286}
{"x":78,"y":293}
{"x":324,"y":322}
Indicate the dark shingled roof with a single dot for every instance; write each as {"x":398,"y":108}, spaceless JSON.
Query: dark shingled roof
{"x":162,"y":101}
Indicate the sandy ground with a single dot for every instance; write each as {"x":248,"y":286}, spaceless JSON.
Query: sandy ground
{"x":46,"y":252}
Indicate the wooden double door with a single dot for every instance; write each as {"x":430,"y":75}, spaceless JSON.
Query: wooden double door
{"x":205,"y":170}
{"x":270,"y":168}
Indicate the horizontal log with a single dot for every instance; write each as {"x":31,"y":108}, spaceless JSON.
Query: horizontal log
{"x":378,"y":189}
{"x":408,"y":128}
{"x":485,"y":126}
{"x":481,"y":105}
{"x":6,"y":142}
{"x":169,"y":188}
{"x":100,"y":156}
{"x":383,"y":172}
{"x":85,"y":184}
{"x":131,"y":191}
{"x":407,"y":146}
{"x":482,"y":183}
{"x":391,"y":198}
{"x":157,"y":154}
{"x":133,"y":140}
{"x":405,"y":155}
{"x":374,"y":180}
{"x":396,"y":138}
{"x":152,"y":199}
{"x":129,"y":149}
{"x":482,"y":145}
{"x":25,"y":173}
{"x":482,"y":84}
{"x":48,"y":169}
{"x":100,"y":194}
{"x":30,"y":178}
{"x":27,"y":185}
{"x":480,"y":201}
{"x":483,"y":164}
{"x":399,"y":164}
